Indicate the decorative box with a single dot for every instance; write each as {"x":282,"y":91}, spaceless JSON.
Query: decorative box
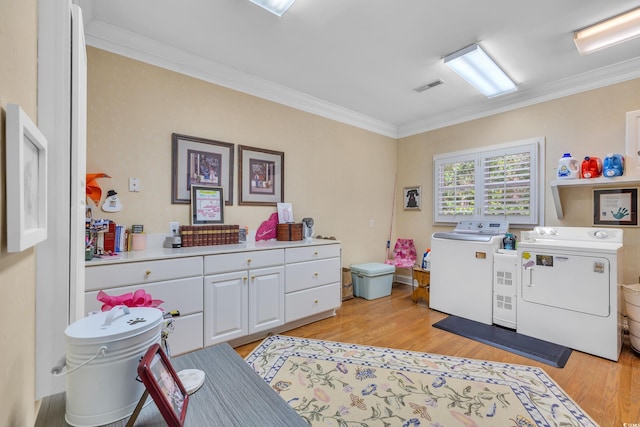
{"x":289,"y":231}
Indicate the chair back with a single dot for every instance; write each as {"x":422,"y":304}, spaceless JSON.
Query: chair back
{"x":405,"y":251}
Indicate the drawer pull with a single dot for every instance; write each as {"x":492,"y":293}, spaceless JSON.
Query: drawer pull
{"x":315,"y":302}
{"x":147,"y":273}
{"x":253,"y":277}
{"x":249,"y":261}
{"x":315,"y":274}
{"x":316,"y":253}
{"x":244,"y":278}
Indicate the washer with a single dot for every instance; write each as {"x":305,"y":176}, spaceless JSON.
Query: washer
{"x":569,"y":291}
{"x":462,"y":269}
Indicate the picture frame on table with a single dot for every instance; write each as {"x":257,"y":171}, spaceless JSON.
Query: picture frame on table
{"x":616,"y":207}
{"x":163,"y":384}
{"x":202,"y":162}
{"x":412,"y":198}
{"x":260,"y":176}
{"x":26,"y":169}
{"x":207,"y":205}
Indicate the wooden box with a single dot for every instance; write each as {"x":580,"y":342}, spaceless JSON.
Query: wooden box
{"x":289,"y":231}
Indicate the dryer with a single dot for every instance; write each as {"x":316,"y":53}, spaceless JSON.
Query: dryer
{"x":569,"y":288}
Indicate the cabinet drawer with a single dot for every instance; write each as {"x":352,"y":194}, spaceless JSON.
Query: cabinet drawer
{"x":311,"y":301}
{"x":310,"y":253}
{"x":304,"y":275}
{"x":186,"y":335}
{"x":184,"y":295}
{"x":242,"y":261}
{"x":132,"y":273}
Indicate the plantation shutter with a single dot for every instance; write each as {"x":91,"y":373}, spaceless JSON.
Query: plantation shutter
{"x":456,"y":187}
{"x":508,"y":191}
{"x":497,"y":184}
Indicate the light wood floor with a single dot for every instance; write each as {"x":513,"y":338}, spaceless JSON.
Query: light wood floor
{"x":608,"y":391}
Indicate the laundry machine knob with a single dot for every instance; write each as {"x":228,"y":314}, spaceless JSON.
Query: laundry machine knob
{"x":601,"y":234}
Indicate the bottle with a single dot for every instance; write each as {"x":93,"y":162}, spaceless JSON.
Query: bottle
{"x":426,"y":260}
{"x":568,"y":167}
{"x":509,"y":242}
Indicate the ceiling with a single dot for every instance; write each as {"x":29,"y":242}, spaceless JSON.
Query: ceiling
{"x":359,"y":61}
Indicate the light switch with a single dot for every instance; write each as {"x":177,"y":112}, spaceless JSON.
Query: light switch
{"x":134,"y":184}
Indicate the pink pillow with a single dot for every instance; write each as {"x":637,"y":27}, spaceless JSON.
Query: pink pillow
{"x":267,"y":229}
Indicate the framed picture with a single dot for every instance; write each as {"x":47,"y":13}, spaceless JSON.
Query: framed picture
{"x":285,"y":213}
{"x":203,"y":162}
{"x":261,"y":176}
{"x":26,"y":169}
{"x":163,"y":384}
{"x":615,"y":207}
{"x":412,"y":198}
{"x":207,"y":205}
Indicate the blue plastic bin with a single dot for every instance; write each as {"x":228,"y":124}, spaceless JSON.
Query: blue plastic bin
{"x":372,"y":280}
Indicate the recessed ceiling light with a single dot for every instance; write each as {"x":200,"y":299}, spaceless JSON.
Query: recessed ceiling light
{"x":277,"y":7}
{"x":613,"y":31}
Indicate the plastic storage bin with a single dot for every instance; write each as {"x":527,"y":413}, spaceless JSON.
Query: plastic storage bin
{"x":372,"y":280}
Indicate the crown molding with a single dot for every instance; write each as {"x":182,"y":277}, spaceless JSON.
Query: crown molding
{"x":602,"y":77}
{"x":113,"y":39}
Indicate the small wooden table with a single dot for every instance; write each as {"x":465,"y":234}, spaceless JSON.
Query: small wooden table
{"x":232,"y":395}
{"x":423,"y":277}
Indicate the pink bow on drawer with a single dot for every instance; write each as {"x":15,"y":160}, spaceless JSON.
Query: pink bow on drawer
{"x":138,"y":298}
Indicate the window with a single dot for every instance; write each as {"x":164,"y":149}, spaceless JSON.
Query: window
{"x":500,"y":182}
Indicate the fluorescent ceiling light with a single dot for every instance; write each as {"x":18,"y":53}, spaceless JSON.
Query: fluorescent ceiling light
{"x":613,"y":31}
{"x":277,"y":7}
{"x":475,"y":66}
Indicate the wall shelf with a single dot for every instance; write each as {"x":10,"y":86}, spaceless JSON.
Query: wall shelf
{"x":592,"y":182}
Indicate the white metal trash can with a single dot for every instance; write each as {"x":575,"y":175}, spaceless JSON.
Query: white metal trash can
{"x":102,"y":357}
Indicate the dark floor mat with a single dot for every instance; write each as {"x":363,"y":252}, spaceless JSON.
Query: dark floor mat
{"x":507,"y":339}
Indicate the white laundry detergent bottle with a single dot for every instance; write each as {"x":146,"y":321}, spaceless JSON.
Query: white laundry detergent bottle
{"x":568,"y":167}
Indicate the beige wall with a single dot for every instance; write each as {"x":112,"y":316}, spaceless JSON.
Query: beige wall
{"x":591,"y":123}
{"x":337,"y":174}
{"x":18,"y":85}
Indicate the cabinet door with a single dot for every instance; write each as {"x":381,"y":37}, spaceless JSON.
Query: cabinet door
{"x":266,"y":298}
{"x":225,"y":307}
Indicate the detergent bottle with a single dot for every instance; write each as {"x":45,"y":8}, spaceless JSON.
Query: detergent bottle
{"x":568,"y":167}
{"x":426,"y":260}
{"x":591,"y":167}
{"x":613,"y":165}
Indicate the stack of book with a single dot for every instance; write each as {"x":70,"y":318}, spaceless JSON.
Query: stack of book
{"x":208,"y":235}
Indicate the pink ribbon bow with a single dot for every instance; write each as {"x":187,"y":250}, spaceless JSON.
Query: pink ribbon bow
{"x":138,"y":298}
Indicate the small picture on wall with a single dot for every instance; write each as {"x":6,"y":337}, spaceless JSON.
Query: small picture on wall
{"x":412,"y":198}
{"x":615,"y":207}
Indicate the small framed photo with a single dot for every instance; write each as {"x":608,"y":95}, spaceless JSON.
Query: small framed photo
{"x":412,"y":198}
{"x":26,"y":169}
{"x":203,"y":162}
{"x":164,"y":385}
{"x":285,"y":213}
{"x":615,"y":207}
{"x":261,"y":176}
{"x":207,"y":205}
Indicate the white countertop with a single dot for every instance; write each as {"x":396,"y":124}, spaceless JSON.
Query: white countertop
{"x":155,"y":253}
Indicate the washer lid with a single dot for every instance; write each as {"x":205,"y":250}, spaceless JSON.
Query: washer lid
{"x":118,"y":323}
{"x":469,"y":237}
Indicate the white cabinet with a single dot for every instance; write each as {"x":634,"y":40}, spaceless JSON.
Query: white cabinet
{"x":177,"y":282}
{"x":228,"y":293}
{"x":313,"y":276}
{"x":246,"y":301}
